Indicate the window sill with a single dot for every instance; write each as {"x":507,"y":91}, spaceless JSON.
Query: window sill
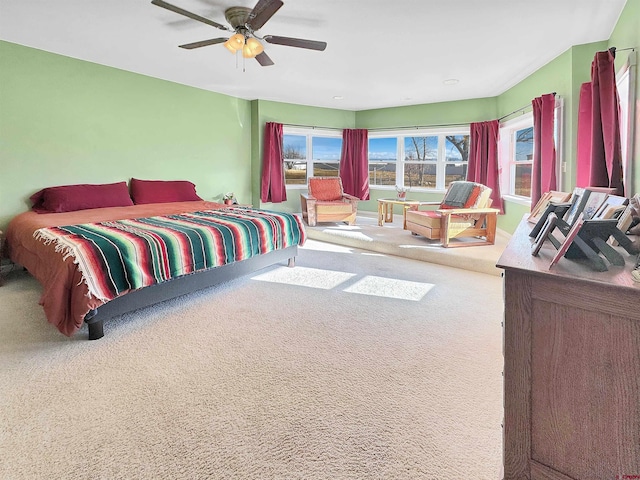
{"x":518,"y":200}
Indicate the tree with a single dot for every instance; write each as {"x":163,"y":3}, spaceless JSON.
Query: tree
{"x":461,"y":143}
{"x":422,"y":171}
{"x":291,"y":153}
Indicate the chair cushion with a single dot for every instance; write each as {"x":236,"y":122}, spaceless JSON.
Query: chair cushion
{"x":426,"y":218}
{"x":325,"y":189}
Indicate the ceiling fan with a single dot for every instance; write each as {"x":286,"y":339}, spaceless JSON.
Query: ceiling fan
{"x":245,"y":22}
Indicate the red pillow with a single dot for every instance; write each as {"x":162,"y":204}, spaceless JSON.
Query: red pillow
{"x":69,"y":198}
{"x":162,"y":191}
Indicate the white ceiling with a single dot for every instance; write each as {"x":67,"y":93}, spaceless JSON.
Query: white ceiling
{"x":380,"y":53}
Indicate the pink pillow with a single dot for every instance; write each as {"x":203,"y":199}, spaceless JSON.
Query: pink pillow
{"x":69,"y":198}
{"x":162,"y":191}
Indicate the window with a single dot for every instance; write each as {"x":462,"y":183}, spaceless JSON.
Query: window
{"x":383,"y":153}
{"x":626,"y":85}
{"x":426,"y":159}
{"x":516,"y":156}
{"x":295,"y":159}
{"x":522,"y":164}
{"x":309,"y":153}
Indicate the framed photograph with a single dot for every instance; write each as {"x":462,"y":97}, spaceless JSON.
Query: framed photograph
{"x":544,"y":233}
{"x":608,"y":190}
{"x":547,"y":198}
{"x":577,"y":204}
{"x":611,"y":205}
{"x":593,"y":202}
{"x":568,"y":240}
{"x":624,"y":221}
{"x":611,"y":211}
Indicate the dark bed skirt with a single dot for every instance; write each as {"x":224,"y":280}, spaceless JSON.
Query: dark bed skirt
{"x":160,"y":292}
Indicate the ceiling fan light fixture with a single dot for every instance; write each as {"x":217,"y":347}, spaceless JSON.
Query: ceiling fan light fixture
{"x":229,"y":46}
{"x":255,"y":46}
{"x":246,"y":52}
{"x":236,"y":41}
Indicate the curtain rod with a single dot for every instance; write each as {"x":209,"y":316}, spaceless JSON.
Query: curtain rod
{"x":313,"y":127}
{"x":412,"y":127}
{"x":518,"y":110}
{"x":417,"y":127}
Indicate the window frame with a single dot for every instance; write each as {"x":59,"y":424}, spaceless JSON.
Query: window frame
{"x":507,"y":129}
{"x":309,"y":133}
{"x":378,"y":161}
{"x":525,"y":123}
{"x":626,"y":82}
{"x":401,"y":162}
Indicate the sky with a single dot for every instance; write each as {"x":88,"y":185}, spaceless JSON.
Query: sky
{"x":329,"y":148}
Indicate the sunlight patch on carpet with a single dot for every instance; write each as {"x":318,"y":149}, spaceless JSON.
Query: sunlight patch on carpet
{"x":390,"y":288}
{"x":325,"y":247}
{"x":306,"y":277}
{"x":331,"y":279}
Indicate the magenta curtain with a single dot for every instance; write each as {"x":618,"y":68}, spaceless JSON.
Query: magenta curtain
{"x":601,"y":136}
{"x":543,"y":175}
{"x":583,"y":150}
{"x":483,"y":158}
{"x":354,"y":163}
{"x":272,"y":188}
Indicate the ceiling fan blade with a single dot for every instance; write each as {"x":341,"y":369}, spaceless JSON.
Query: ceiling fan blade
{"x":264,"y":59}
{"x":193,"y":16}
{"x":296,"y":42}
{"x":203,"y":43}
{"x":262,"y":12}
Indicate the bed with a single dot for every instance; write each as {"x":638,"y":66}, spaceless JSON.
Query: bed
{"x":94,"y":264}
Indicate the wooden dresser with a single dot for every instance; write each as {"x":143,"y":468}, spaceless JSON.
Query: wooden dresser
{"x":571,"y":367}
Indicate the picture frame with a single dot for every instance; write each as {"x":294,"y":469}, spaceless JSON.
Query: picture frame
{"x":544,"y":233}
{"x":593,"y":202}
{"x":624,"y":222}
{"x":568,"y":240}
{"x":547,"y":198}
{"x":559,"y":209}
{"x":577,"y":198}
{"x":611,"y":205}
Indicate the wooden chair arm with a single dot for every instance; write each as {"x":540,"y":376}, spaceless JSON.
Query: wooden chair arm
{"x":308,"y":196}
{"x":350,"y":197}
{"x":422,"y":204}
{"x":466,"y":211}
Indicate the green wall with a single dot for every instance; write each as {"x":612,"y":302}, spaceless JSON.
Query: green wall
{"x":66,"y":121}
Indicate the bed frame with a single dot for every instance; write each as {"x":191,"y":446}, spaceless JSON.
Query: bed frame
{"x":173,"y":288}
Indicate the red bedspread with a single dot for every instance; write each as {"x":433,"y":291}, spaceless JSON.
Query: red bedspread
{"x":65,"y":296}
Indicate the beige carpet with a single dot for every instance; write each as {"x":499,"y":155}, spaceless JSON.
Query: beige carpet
{"x":352,"y":365}
{"x":392,"y":239}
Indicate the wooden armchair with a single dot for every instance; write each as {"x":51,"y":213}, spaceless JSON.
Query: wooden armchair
{"x":327,"y":202}
{"x":464,"y":212}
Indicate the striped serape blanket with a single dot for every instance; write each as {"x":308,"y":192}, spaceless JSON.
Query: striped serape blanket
{"x":117,"y":256}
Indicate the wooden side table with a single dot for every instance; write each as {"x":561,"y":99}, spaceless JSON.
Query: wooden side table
{"x":385,"y":209}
